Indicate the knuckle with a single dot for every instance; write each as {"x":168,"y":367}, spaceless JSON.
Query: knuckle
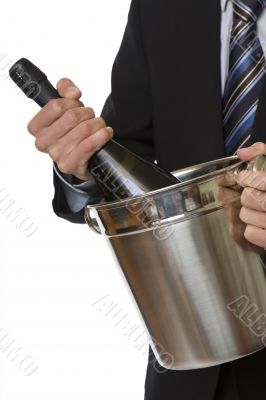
{"x":56,"y":106}
{"x":91,"y":112}
{"x":96,"y":124}
{"x":72,"y":116}
{"x":54,"y":153}
{"x":62,"y":82}
{"x":107,"y":135}
{"x":101,"y":122}
{"x":40,"y":145}
{"x":89,"y":146}
{"x":30,"y":127}
{"x":64,"y":167}
{"x":84,"y":129}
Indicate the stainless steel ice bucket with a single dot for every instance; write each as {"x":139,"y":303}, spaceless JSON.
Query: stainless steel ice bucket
{"x":198,"y":284}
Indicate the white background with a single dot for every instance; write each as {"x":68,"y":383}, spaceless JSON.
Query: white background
{"x":49,"y":282}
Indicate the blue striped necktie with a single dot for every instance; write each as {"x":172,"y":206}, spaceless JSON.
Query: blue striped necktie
{"x":247,"y":68}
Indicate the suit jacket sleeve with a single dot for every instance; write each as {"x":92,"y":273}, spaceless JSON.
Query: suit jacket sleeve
{"x":128,"y":109}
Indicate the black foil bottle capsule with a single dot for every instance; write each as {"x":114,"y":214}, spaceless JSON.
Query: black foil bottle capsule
{"x":118,"y":172}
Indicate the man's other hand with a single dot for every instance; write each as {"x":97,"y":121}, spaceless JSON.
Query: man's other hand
{"x":253,"y":198}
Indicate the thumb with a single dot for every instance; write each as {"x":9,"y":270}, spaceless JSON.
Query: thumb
{"x":66,"y":88}
{"x":249,"y":153}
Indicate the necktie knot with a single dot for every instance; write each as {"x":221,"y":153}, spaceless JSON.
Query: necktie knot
{"x":248,"y":10}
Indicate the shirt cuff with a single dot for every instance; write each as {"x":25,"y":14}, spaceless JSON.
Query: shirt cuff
{"x":78,"y":193}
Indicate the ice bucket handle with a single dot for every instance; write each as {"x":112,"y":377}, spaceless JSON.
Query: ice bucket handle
{"x":256,"y":165}
{"x":92,"y":221}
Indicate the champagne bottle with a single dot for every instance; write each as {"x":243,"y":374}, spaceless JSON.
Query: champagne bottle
{"x":118,"y":172}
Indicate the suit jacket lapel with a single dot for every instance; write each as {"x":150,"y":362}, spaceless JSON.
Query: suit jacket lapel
{"x":204,"y":79}
{"x":187,"y":87}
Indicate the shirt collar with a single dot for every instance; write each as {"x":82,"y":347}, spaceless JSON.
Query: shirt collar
{"x":224,"y":4}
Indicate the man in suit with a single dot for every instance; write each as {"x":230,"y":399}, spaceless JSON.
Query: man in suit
{"x":188,"y":86}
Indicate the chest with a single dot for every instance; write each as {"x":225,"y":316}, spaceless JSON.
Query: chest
{"x":182,"y":46}
{"x":182,"y":43}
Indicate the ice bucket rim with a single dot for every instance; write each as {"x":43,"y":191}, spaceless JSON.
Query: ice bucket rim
{"x":124,"y":202}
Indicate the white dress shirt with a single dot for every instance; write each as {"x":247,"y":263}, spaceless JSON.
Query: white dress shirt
{"x":80,"y":195}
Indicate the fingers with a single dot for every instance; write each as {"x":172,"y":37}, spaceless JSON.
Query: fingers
{"x":256,"y":180}
{"x":256,"y":235}
{"x":70,"y":141}
{"x":254,"y":199}
{"x":253,"y":217}
{"x":66,"y":88}
{"x":249,"y":153}
{"x":71,"y":120}
{"x":53,"y":110}
{"x":76,"y":161}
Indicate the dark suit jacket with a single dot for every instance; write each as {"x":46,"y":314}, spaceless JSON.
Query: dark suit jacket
{"x":166,"y":105}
